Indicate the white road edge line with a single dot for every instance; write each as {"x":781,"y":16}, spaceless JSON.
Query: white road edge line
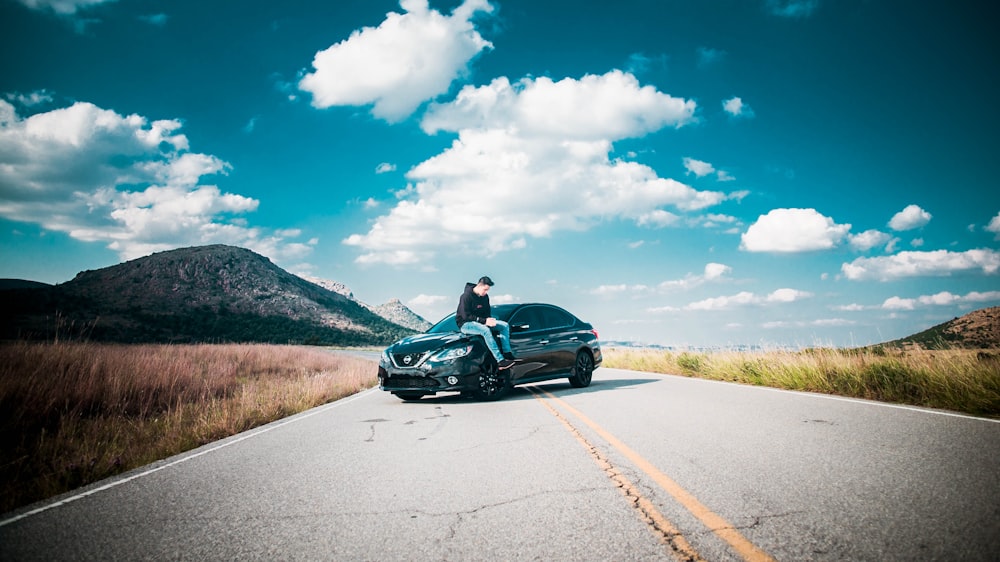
{"x":232,"y":441}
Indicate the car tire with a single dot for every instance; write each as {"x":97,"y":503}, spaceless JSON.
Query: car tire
{"x":409,"y":396}
{"x":583,"y":370}
{"x":492,"y":384}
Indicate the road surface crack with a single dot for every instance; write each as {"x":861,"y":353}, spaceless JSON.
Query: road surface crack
{"x":648,"y":513}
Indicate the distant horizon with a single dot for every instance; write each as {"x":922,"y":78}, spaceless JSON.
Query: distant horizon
{"x":611,"y":343}
{"x":775,"y":172}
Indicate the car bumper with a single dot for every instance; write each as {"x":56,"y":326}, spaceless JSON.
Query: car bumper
{"x":462,"y":375}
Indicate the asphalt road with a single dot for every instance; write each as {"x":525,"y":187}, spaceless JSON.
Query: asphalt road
{"x":636,"y":467}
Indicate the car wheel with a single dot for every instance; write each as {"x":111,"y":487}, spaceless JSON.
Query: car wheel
{"x":409,"y":396}
{"x":583,"y":370}
{"x":492,"y":384}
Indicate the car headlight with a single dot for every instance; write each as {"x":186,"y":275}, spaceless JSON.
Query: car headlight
{"x":386,"y":360}
{"x":452,"y":353}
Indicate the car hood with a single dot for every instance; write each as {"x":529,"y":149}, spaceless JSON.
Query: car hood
{"x":425,"y":342}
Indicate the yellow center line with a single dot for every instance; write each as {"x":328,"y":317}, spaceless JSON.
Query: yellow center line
{"x":716,"y":523}
{"x":651,"y":516}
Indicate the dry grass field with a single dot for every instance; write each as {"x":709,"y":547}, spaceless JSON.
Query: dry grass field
{"x":74,"y":413}
{"x":960,"y":380}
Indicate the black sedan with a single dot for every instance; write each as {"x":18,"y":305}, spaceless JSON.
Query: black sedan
{"x":549,"y":343}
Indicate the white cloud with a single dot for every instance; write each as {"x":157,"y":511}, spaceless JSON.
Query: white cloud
{"x":793,"y":230}
{"x":712,"y":272}
{"x":735,"y":107}
{"x":702,"y":169}
{"x":384,"y":168}
{"x":423,"y":301}
{"x":869,"y":239}
{"x":787,"y":295}
{"x":122,"y":180}
{"x":606,"y":107}
{"x":944,"y":298}
{"x":792,"y":8}
{"x":994,"y":226}
{"x":922,"y":264}
{"x":62,"y":7}
{"x":910,"y":218}
{"x":657,"y":218}
{"x":697,"y":167}
{"x":746,"y":298}
{"x":408,"y":59}
{"x":534,"y":157}
{"x":30,"y":100}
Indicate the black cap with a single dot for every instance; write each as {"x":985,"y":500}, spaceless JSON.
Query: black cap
{"x":486,"y":280}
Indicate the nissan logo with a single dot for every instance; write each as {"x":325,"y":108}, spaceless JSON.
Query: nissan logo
{"x":407,"y":359}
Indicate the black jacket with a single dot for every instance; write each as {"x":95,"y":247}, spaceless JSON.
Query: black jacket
{"x":472,"y":307}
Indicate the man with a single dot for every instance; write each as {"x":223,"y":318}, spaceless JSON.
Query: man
{"x":473,"y":318}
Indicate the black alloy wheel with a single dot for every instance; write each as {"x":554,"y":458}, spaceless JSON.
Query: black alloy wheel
{"x":583,"y":370}
{"x":493,"y":383}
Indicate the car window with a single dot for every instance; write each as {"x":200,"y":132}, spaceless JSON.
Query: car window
{"x":446,"y":324}
{"x":530,"y":315}
{"x":555,"y":318}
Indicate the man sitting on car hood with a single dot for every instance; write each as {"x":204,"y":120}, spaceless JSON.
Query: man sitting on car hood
{"x":473,"y":318}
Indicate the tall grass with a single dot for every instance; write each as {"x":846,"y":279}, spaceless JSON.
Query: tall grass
{"x":959,"y":380}
{"x":74,"y":413}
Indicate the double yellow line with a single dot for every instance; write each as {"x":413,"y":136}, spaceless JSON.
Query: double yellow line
{"x":714,"y":522}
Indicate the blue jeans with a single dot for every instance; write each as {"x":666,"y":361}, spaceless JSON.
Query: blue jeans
{"x":474,"y":328}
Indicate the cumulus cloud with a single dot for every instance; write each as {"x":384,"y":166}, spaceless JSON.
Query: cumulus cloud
{"x":701,"y":169}
{"x":735,"y":107}
{"x":62,"y":7}
{"x":408,"y":59}
{"x":793,"y":230}
{"x":944,"y":298}
{"x":533,"y":156}
{"x":994,"y":226}
{"x":385,"y":168}
{"x":698,"y":168}
{"x":746,"y":298}
{"x":922,"y":264}
{"x":869,"y":239}
{"x":122,"y":180}
{"x":910,"y":218}
{"x":713,"y":272}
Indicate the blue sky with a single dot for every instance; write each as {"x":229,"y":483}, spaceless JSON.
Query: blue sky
{"x":772,"y":172}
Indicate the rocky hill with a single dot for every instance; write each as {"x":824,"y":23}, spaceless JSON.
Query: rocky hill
{"x":979,"y":329}
{"x":209,"y":293}
{"x":393,"y":311}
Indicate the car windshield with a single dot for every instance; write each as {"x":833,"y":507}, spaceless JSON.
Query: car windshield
{"x":447,"y":324}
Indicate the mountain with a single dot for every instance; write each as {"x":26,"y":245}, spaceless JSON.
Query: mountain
{"x":979,"y":329}
{"x":397,"y":313}
{"x":393,"y":311}
{"x":201,"y":294}
{"x":6,"y":284}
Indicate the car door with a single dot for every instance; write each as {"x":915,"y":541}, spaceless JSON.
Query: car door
{"x":562,"y":339}
{"x":526,"y":341}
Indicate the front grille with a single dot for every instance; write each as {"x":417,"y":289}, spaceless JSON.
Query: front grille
{"x":409,"y":382}
{"x":408,"y":359}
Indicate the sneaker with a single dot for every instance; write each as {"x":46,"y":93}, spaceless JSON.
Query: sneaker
{"x":506,"y":364}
